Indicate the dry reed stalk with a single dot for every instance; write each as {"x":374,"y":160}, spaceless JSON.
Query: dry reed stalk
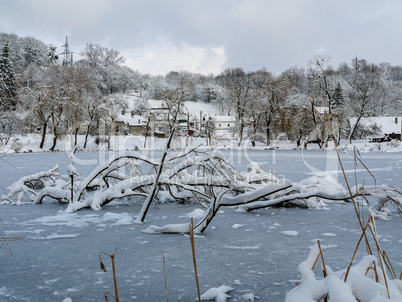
{"x":194,"y":258}
{"x":380,"y":255}
{"x":389,"y":264}
{"x":374,"y":268}
{"x":103,"y":268}
{"x":164,"y":269}
{"x":357,"y":247}
{"x":375,"y":271}
{"x":347,"y":183}
{"x":114,"y":278}
{"x":5,"y":239}
{"x":315,"y":262}
{"x":322,"y":259}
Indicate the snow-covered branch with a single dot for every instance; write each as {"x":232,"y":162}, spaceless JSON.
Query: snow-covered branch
{"x":27,"y":185}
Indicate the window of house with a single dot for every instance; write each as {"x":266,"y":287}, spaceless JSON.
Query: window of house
{"x":117,"y":128}
{"x":228,"y":125}
{"x":220,"y":125}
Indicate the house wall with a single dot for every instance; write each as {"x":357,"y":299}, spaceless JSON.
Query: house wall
{"x":137,"y":130}
{"x":117,"y":128}
{"x":224,"y":125}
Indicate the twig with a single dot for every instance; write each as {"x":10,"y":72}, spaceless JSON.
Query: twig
{"x":194,"y":259}
{"x":164,"y":269}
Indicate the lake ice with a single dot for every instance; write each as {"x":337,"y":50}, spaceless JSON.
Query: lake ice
{"x":256,"y":252}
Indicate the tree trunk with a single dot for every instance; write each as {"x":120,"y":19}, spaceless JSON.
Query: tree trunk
{"x":86,"y":138}
{"x":299,"y":137}
{"x":352,"y":132}
{"x":42,"y":142}
{"x":76,"y":136}
{"x":267,"y":128}
{"x":146,"y":132}
{"x":151,"y":195}
{"x":241,"y":132}
{"x":56,"y":136}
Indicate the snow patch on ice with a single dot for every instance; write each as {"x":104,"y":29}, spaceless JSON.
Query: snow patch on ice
{"x":237,"y":225}
{"x":79,"y":221}
{"x":249,"y":297}
{"x":246,"y":247}
{"x":329,"y":234}
{"x":236,"y":282}
{"x":290,"y":233}
{"x":121,"y":218}
{"x":64,"y":236}
{"x":196,"y":214}
{"x":217,"y":293}
{"x":170,"y":228}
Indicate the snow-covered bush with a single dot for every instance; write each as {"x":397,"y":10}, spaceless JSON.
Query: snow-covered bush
{"x":16,"y":146}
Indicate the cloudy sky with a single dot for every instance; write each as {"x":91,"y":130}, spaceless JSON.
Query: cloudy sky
{"x":207,"y":36}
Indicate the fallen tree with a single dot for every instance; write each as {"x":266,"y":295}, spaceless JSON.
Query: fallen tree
{"x":206,"y":178}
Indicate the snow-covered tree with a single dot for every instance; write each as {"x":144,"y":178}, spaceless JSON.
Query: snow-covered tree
{"x":237,"y":85}
{"x":365,"y":81}
{"x":52,"y":56}
{"x":8,"y":84}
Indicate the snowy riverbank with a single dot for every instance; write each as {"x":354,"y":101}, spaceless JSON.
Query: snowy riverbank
{"x":30,"y":143}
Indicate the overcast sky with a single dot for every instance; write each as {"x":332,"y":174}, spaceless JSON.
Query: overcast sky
{"x":207,"y":36}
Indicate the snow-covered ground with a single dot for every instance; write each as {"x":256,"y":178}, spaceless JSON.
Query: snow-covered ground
{"x":255,"y":253}
{"x":30,"y":143}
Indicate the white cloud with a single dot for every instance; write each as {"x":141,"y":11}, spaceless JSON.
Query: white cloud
{"x":165,"y":56}
{"x":206,"y":36}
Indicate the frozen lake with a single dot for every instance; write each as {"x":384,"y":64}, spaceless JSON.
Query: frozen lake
{"x":59,"y":256}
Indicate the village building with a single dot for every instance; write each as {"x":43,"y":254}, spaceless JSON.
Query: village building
{"x":224,"y":122}
{"x":195,"y":119}
{"x":129,"y":124}
{"x":389,"y":127}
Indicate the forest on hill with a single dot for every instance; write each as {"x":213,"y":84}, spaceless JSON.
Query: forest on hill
{"x":43,"y":90}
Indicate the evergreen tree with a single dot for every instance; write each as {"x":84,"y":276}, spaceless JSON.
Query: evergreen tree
{"x":337,"y":96}
{"x":51,"y":55}
{"x":7,"y":78}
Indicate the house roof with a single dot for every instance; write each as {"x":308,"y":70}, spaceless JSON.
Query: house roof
{"x":322,"y":110}
{"x":195,"y":108}
{"x":224,"y":118}
{"x":388,"y":124}
{"x":132,"y":120}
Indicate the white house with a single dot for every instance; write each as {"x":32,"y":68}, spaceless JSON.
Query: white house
{"x":224,"y":122}
{"x":391,"y":127}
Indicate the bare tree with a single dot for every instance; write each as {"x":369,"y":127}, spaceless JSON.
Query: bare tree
{"x":238,"y":90}
{"x":365,"y":81}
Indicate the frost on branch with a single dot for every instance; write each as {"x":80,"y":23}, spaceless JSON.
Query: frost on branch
{"x":27,"y":185}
